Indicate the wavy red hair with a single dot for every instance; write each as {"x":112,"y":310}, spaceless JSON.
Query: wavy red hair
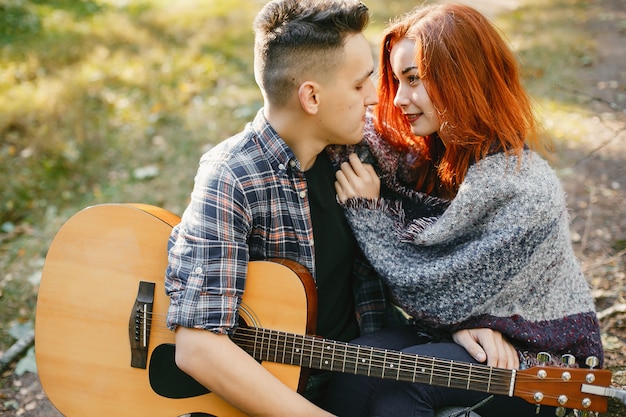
{"x":472,"y":78}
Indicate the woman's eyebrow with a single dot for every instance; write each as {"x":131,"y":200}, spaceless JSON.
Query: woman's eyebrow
{"x":407,"y":69}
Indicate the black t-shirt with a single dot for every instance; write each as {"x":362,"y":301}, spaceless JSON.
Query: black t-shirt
{"x":335,"y":250}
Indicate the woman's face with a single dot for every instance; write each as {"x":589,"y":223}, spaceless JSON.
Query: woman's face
{"x":411,"y":96}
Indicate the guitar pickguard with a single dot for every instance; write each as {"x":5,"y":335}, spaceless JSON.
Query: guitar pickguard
{"x":167,"y":380}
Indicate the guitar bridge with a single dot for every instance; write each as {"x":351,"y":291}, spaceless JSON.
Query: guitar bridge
{"x":139,"y":325}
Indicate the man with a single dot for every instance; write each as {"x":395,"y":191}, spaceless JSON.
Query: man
{"x":268,"y":192}
{"x":253,"y":198}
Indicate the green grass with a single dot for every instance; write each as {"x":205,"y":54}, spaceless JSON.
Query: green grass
{"x":114,"y":101}
{"x":93,"y":92}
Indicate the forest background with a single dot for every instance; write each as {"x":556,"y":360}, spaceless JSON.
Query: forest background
{"x":114,"y":101}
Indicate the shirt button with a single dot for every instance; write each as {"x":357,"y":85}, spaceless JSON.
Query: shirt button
{"x":302,"y":194}
{"x":281,"y":167}
{"x":198,"y":270}
{"x":292,"y":163}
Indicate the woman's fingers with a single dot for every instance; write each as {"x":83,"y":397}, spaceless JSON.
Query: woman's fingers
{"x":356,"y":179}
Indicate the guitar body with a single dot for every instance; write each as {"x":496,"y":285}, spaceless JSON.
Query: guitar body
{"x":88,"y":291}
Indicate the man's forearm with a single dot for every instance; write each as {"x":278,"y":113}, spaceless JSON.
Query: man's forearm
{"x":220,"y":365}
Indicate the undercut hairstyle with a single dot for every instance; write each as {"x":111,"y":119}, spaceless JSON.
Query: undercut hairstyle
{"x":473,"y":81}
{"x":302,"y":40}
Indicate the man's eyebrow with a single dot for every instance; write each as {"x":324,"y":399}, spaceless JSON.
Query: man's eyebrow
{"x":366,"y":76}
{"x":407,"y":69}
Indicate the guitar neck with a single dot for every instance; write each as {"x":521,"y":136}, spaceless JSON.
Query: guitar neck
{"x":318,"y":353}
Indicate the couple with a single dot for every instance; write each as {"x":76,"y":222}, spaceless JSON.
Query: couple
{"x":433,"y":204}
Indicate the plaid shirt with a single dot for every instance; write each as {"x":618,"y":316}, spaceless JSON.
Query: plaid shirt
{"x":249,"y":203}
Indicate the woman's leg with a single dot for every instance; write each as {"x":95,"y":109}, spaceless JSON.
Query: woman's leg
{"x":394,"y":398}
{"x":351,"y":395}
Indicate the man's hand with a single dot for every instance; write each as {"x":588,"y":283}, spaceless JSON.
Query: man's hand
{"x":356,"y":179}
{"x":488,"y":345}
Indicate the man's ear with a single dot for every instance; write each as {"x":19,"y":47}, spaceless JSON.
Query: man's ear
{"x":308,"y":94}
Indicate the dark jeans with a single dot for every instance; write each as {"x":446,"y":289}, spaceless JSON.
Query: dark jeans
{"x":359,"y":396}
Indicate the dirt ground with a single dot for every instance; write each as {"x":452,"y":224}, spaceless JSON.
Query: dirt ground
{"x":594,"y":175}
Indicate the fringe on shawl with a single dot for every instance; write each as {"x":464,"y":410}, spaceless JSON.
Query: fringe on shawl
{"x":406,"y":232}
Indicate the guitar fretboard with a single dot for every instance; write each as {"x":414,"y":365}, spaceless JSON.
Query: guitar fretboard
{"x":318,"y":353}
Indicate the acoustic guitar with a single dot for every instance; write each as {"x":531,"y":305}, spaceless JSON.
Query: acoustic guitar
{"x":103,"y":348}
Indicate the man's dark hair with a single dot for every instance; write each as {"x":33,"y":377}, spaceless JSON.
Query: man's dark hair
{"x":297,"y":38}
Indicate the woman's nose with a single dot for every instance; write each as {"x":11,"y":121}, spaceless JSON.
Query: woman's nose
{"x":400,"y":99}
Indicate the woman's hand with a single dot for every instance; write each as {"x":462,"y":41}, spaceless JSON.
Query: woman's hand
{"x":356,"y":179}
{"x":488,"y":345}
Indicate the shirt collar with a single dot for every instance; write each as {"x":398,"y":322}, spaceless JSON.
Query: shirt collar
{"x":279,"y":154}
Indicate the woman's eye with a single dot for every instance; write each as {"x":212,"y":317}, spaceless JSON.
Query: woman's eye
{"x":414,"y":79}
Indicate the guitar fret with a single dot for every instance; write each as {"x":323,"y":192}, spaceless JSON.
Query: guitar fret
{"x":350,"y":360}
{"x":301,"y":350}
{"x":361,"y":361}
{"x":275,"y":346}
{"x":284,"y":346}
{"x":256,"y":343}
{"x":397,"y":366}
{"x":265,"y":346}
{"x":384,"y":367}
{"x":298,"y":349}
{"x":268,"y":345}
{"x":344,"y":359}
{"x":311,"y":356}
{"x":291,"y":349}
{"x":332,"y":357}
{"x":432,"y":371}
{"x":406,"y":368}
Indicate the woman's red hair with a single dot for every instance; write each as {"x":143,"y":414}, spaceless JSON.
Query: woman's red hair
{"x":472,"y":79}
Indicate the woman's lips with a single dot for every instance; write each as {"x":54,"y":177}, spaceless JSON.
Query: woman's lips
{"x":411,"y":118}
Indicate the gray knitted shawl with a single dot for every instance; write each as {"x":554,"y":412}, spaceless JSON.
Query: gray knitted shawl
{"x":498,"y":255}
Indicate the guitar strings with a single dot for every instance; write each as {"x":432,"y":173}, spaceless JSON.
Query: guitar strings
{"x":318,"y":353}
{"x":311,"y":352}
{"x":469,"y":376}
{"x":248,"y":339}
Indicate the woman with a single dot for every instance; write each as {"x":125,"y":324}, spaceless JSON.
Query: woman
{"x":479,"y":227}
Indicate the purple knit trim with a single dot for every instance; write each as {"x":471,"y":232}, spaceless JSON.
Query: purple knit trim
{"x":575,"y":334}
